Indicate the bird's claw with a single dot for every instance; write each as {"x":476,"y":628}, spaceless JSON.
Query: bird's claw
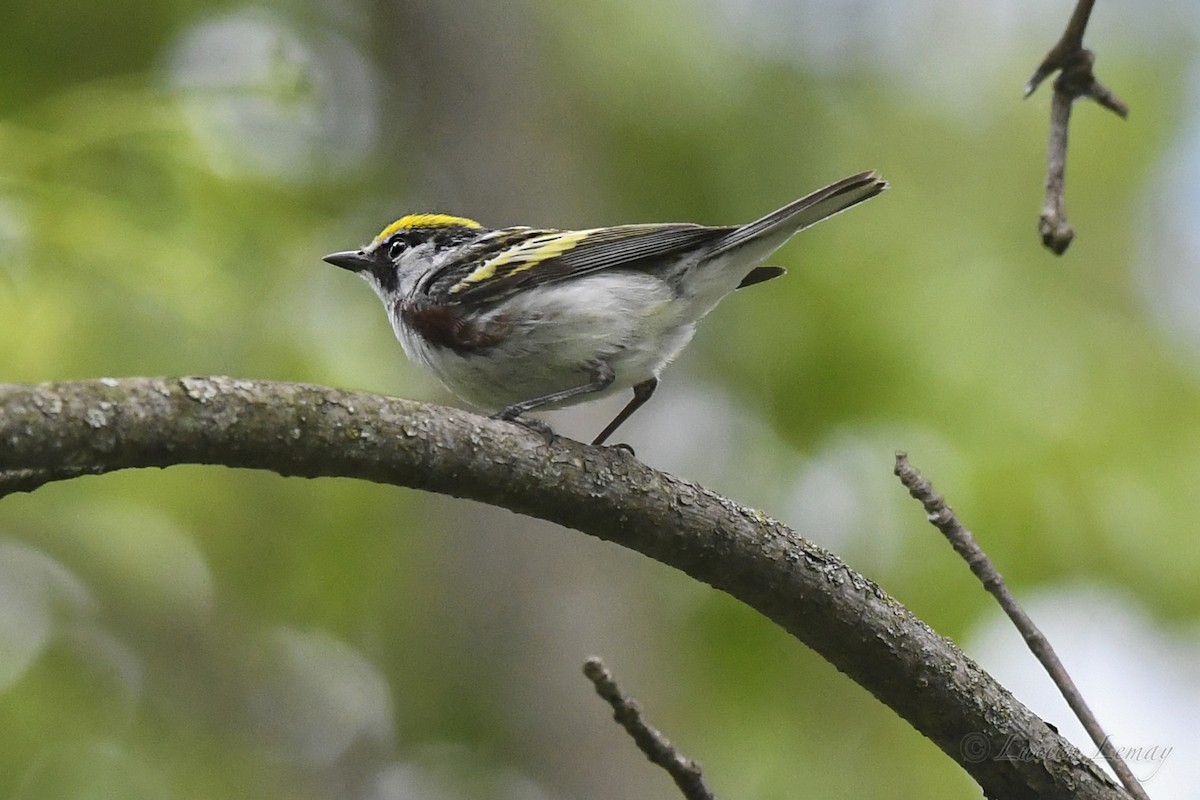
{"x":530,"y":424}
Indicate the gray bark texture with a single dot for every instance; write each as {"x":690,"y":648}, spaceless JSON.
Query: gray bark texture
{"x":59,"y":431}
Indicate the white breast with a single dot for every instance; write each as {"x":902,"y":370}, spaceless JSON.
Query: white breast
{"x":630,"y":321}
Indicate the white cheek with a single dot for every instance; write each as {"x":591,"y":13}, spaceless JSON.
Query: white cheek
{"x":369,"y":279}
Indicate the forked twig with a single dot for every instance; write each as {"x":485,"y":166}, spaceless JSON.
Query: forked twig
{"x":684,"y":771}
{"x":942,"y":517}
{"x":1074,"y":64}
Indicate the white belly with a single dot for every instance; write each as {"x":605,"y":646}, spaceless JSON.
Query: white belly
{"x":632,"y":322}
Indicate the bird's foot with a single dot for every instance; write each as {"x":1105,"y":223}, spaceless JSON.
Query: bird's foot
{"x":528,"y":423}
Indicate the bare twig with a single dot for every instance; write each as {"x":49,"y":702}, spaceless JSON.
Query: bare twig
{"x":1076,"y":79}
{"x":1055,"y":230}
{"x":943,"y":518}
{"x":1067,"y":45}
{"x":660,"y":751}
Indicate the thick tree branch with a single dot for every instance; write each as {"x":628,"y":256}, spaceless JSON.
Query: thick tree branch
{"x":312,"y":431}
{"x":26,"y":480}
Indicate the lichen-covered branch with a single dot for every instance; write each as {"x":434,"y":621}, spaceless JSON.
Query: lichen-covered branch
{"x":313,"y":431}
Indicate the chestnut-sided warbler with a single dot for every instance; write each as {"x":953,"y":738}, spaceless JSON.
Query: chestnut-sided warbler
{"x":518,"y":319}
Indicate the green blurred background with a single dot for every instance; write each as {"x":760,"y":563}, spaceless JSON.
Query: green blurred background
{"x":171,"y":173}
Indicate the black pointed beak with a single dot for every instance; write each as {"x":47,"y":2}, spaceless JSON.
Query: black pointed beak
{"x":353,"y":260}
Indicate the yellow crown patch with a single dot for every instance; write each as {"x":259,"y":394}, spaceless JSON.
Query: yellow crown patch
{"x":413,"y":221}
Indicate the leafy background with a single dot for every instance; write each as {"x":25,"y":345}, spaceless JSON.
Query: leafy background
{"x":170,"y":175}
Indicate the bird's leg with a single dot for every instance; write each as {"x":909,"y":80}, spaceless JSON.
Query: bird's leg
{"x":602,"y":377}
{"x":641,"y":393}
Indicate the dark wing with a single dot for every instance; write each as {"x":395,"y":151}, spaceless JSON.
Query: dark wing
{"x":775,"y":228}
{"x":535,"y":257}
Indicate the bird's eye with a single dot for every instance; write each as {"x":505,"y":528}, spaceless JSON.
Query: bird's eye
{"x":396,"y":248}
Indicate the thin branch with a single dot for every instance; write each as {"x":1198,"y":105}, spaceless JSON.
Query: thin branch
{"x":685,"y":772}
{"x":312,"y":431}
{"x":1076,"y":79}
{"x":943,"y":518}
{"x":1056,"y":232}
{"x":1069,"y":43}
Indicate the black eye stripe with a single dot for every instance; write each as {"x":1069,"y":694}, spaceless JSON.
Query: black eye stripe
{"x":385,"y":273}
{"x":396,"y":246}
